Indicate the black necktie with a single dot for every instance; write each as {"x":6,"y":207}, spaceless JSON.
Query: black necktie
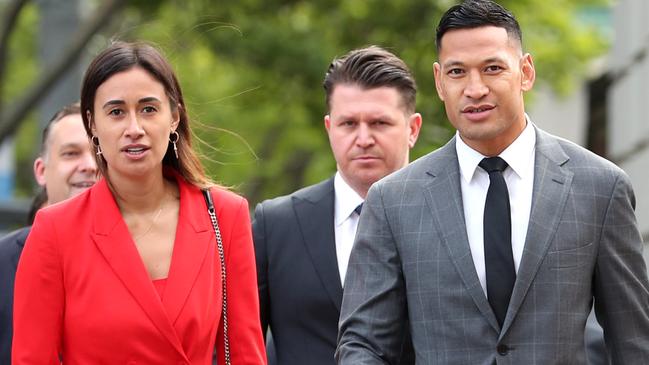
{"x":499,"y":261}
{"x":358,"y":209}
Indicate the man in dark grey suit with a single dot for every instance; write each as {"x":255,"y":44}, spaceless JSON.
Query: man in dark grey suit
{"x":302,"y":241}
{"x":64,"y":168}
{"x":492,"y":249}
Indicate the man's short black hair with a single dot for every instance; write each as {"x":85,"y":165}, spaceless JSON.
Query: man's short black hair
{"x":478,"y":13}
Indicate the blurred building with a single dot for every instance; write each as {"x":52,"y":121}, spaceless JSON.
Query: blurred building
{"x":628,"y":128}
{"x":621,"y":80}
{"x":58,"y":23}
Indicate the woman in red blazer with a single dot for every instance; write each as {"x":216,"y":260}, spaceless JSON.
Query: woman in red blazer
{"x":129,"y":271}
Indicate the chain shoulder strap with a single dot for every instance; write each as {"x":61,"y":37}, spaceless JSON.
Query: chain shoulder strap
{"x":219,"y":245}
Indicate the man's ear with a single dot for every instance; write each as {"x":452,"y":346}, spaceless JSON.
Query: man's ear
{"x":327,"y":122}
{"x":437,"y":72}
{"x":39,"y":171}
{"x":528,"y":72}
{"x":414,"y":123}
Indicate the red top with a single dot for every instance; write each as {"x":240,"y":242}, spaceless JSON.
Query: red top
{"x":82,"y":291}
{"x":159,"y":285}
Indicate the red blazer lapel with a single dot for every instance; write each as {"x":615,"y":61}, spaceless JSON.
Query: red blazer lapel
{"x":194,"y":239}
{"x":113,"y":240}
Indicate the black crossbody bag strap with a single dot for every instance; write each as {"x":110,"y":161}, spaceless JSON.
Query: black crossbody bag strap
{"x":219,"y":245}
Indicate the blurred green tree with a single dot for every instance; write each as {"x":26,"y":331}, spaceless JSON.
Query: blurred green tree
{"x":252,"y":71}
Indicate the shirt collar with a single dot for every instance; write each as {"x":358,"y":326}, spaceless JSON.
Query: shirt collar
{"x":347,"y":199}
{"x":518,"y":155}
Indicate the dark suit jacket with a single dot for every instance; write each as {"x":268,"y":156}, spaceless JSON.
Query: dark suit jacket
{"x":594,"y":337}
{"x":299,"y":283}
{"x":11,"y":246}
{"x":82,"y":290}
{"x":299,"y":286}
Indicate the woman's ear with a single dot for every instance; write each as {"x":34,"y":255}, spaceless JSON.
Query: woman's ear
{"x":175,"y":115}
{"x":91,"y":124}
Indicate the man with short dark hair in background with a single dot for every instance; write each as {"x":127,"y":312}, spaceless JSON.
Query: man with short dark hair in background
{"x":303,"y":240}
{"x":65,"y":167}
{"x":492,"y":249}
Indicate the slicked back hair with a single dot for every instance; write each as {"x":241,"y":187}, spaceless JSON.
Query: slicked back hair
{"x":369,"y":68}
{"x":478,"y":13}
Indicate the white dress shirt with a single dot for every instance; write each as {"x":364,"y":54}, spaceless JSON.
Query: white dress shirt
{"x":345,"y":222}
{"x":519,"y":177}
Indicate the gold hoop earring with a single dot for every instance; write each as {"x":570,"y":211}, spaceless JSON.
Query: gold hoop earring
{"x":173,"y":138}
{"x":95,"y":143}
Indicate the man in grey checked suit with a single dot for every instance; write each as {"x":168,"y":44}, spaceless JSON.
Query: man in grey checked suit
{"x":422,"y":260}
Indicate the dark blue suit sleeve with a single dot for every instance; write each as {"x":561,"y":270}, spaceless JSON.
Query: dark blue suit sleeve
{"x":259,"y":238}
{"x":11,"y":247}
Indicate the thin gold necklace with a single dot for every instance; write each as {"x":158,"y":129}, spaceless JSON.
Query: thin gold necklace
{"x":155,"y":219}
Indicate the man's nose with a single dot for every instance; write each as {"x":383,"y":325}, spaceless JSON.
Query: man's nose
{"x":88,"y":164}
{"x":476,"y":88}
{"x":364,"y":138}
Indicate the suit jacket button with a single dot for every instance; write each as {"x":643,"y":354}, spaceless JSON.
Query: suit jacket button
{"x":502,"y":349}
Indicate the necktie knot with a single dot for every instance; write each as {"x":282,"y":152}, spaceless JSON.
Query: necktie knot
{"x":493,"y":164}
{"x":358,"y":209}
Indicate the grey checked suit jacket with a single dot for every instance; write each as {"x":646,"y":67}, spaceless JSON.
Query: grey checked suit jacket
{"x":411,"y":260}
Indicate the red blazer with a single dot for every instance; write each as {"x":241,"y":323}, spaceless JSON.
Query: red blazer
{"x":82,"y":290}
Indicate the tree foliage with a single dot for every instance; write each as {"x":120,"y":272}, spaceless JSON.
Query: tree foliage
{"x":252,"y":71}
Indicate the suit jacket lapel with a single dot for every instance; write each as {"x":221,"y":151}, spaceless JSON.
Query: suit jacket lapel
{"x":444,"y":198}
{"x":549,"y":195}
{"x":315,"y":215}
{"x":194,"y":235}
{"x":113,"y":240}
